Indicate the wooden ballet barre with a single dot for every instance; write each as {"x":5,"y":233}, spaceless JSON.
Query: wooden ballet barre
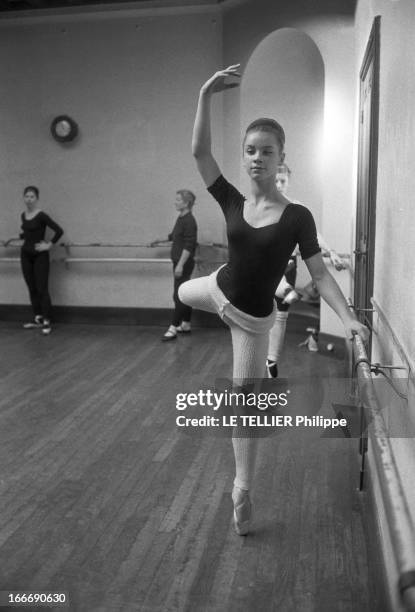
{"x":133,"y":245}
{"x":11,"y":243}
{"x":133,"y":259}
{"x":103,"y":244}
{"x":115,"y":260}
{"x":100,"y":259}
{"x":70,"y":259}
{"x":66,"y":260}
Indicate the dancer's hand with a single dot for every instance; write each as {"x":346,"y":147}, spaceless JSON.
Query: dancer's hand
{"x":218,"y":83}
{"x":337,"y":261}
{"x":353,"y":327}
{"x":42,"y":246}
{"x":178,"y":271}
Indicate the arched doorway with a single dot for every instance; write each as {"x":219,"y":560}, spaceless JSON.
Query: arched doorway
{"x":284,"y":79}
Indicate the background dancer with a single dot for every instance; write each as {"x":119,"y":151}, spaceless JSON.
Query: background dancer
{"x":182,"y":253}
{"x":286,"y":294}
{"x":34,"y":258}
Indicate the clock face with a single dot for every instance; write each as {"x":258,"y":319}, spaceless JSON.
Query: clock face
{"x":64,"y":129}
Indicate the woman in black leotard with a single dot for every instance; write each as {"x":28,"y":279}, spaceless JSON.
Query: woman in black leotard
{"x":34,"y":257}
{"x":262,"y":233}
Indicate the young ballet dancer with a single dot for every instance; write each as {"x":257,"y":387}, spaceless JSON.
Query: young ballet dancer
{"x":182,"y":253}
{"x":285,"y":289}
{"x":263,"y":231}
{"x":34,"y":258}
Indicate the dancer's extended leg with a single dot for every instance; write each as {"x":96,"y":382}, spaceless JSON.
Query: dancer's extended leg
{"x":195,"y":293}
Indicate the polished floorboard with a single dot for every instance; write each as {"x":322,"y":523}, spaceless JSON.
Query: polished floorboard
{"x":103,"y":497}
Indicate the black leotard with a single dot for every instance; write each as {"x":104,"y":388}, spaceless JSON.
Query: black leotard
{"x":33,"y":230}
{"x":258,"y":256}
{"x":184,"y":236}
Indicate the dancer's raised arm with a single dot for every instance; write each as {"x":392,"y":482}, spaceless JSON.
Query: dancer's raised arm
{"x":201,"y":142}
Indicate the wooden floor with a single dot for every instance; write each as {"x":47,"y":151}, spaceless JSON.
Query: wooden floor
{"x":103,"y":497}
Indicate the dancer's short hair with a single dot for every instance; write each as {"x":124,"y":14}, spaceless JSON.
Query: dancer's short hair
{"x":32,"y":188}
{"x":187,"y":196}
{"x":264,"y":124}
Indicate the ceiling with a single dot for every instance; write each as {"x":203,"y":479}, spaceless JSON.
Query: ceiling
{"x":24,"y":6}
{"x":30,"y":5}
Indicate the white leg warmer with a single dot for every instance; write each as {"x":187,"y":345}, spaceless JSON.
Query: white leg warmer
{"x":277,"y":335}
{"x":249,"y":352}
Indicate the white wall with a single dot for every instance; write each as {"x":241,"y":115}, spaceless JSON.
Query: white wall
{"x":394,"y":285}
{"x":131,"y":83}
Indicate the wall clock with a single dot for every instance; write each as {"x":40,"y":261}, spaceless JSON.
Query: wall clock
{"x":64,"y":129}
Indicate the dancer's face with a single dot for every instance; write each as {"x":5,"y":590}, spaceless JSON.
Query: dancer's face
{"x":180,"y":204}
{"x":30,"y":199}
{"x":261,"y":155}
{"x":281,"y":181}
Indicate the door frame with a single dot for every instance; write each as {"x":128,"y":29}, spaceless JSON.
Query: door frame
{"x":372,"y":56}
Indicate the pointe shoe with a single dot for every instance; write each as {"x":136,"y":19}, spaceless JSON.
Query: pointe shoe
{"x":272,"y":368}
{"x":242,"y":510}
